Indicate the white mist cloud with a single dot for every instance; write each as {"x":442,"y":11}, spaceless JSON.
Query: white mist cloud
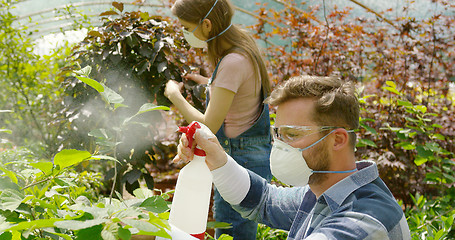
{"x":46,"y":44}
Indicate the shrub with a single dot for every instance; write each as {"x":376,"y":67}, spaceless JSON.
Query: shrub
{"x":415,"y":56}
{"x":133,"y":54}
{"x":30,"y":89}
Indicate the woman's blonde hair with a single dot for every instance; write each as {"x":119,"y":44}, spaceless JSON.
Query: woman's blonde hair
{"x":194,"y":10}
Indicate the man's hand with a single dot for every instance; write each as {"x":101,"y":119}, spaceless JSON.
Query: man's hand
{"x":207,"y":141}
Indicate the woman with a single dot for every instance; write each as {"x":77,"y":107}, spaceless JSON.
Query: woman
{"x":235,"y":109}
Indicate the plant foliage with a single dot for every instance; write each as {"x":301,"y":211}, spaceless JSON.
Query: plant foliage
{"x":29,"y":88}
{"x":133,"y":54}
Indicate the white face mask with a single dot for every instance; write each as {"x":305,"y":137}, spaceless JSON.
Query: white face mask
{"x":193,"y":40}
{"x":196,"y":42}
{"x":289,"y":166}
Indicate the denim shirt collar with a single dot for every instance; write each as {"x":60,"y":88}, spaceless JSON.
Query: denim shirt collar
{"x":336,"y":194}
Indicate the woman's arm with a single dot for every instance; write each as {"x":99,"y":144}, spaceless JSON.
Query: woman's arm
{"x":217,"y":109}
{"x":196,"y":78}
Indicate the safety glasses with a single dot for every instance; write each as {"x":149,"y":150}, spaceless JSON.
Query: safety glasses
{"x":288,"y":133}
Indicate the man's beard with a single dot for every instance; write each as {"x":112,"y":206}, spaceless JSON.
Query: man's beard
{"x":319,"y":157}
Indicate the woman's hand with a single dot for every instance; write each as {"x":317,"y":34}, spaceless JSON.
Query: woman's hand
{"x":197,"y":78}
{"x":215,"y":155}
{"x":172,"y":89}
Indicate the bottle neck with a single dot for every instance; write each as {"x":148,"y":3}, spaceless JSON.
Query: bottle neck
{"x":199,"y":152}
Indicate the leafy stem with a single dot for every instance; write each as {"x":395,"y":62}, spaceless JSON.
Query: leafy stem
{"x":36,"y":183}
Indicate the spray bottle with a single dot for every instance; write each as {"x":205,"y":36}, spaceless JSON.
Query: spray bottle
{"x":190,"y":205}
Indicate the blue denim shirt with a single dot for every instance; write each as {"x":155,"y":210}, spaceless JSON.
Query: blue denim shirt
{"x":358,"y":207}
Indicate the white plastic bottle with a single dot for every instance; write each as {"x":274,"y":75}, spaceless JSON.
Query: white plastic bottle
{"x":190,"y":205}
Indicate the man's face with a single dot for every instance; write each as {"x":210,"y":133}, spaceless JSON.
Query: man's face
{"x":299,"y":112}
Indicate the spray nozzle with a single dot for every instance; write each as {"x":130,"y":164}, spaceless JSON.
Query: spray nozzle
{"x":190,"y":130}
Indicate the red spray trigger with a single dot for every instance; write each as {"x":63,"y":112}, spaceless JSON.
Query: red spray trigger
{"x":190,"y":130}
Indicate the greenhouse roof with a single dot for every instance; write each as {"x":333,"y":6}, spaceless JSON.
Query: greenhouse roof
{"x":42,"y":17}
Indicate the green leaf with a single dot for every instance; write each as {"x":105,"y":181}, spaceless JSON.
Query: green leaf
{"x":9,"y":173}
{"x":92,"y":83}
{"x":107,"y":234}
{"x":159,"y":233}
{"x":99,"y":133}
{"x":391,"y":84}
{"x":92,"y":233}
{"x":6,"y":183}
{"x":32,"y":225}
{"x":77,"y":225}
{"x":69,"y":157}
{"x":405,"y":145}
{"x":6,"y":131}
{"x":438,"y":136}
{"x":11,"y":199}
{"x":64,"y":183}
{"x":129,"y":212}
{"x":395,"y":129}
{"x":404,"y":103}
{"x":448,"y":221}
{"x":449,"y":177}
{"x":147,"y":107}
{"x":439,"y":234}
{"x":104,"y":157}
{"x":225,"y":237}
{"x":369,"y":129}
{"x":422,"y":152}
{"x":420,"y":160}
{"x":84,"y":71}
{"x":155,"y":220}
{"x":117,"y":105}
{"x":393,"y":90}
{"x":155,"y":204}
{"x":433,"y":146}
{"x":409,"y":119}
{"x":124,"y":234}
{"x":221,"y":225}
{"x":45,"y":167}
{"x":140,"y":225}
{"x":96,"y":212}
{"x":367,"y":142}
{"x":110,"y":96}
{"x":143,"y":193}
{"x":421,"y":108}
{"x":4,"y":225}
{"x":5,"y":235}
{"x":65,"y":236}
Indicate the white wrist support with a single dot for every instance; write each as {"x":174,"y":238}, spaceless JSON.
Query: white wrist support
{"x":232,"y":181}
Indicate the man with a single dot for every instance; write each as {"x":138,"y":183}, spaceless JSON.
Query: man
{"x":335,"y":197}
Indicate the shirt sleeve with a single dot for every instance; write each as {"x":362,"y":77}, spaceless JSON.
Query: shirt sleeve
{"x":233,"y":71}
{"x":350,"y":225}
{"x":271,"y":205}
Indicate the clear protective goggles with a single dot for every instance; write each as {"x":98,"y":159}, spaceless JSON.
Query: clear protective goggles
{"x":289,"y":133}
